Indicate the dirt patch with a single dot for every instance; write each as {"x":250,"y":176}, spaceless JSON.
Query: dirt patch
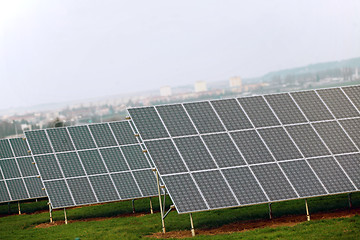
{"x":57,"y":223}
{"x":287,"y":221}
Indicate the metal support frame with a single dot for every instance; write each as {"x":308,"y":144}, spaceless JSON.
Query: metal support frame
{"x":9,"y":208}
{"x":171,"y":208}
{"x":133,"y":205}
{"x":50,"y":212}
{"x":164,"y":202}
{"x":160,"y":202}
{"x":270,"y":211}
{"x":66,"y":221}
{"x":307,"y":210}
{"x":192,"y":225}
{"x":151,"y":208}
{"x":349,"y":200}
{"x":19,"y":208}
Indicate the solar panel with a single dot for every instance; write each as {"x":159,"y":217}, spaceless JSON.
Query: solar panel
{"x":89,"y":165}
{"x":234,"y":152}
{"x":18,"y":176}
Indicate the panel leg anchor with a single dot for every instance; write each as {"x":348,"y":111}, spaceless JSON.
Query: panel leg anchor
{"x":307,"y":210}
{"x":160,"y":203}
{"x":151,"y":208}
{"x":270,"y":211}
{"x":66,"y":221}
{"x":349,"y":199}
{"x":19,"y":208}
{"x":192,"y":225}
{"x":133,"y":205}
{"x":50,"y":212}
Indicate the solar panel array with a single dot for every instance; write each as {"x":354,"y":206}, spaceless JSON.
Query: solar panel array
{"x":18,"y":176}
{"x":235,"y":152}
{"x":91,"y":164}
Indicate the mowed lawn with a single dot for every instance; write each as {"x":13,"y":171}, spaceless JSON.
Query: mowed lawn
{"x":119,"y":222}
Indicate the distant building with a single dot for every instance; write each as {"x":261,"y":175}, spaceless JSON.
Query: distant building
{"x":165,"y":91}
{"x":200,"y":86}
{"x":235,"y":84}
{"x":26,"y":127}
{"x":251,"y":87}
{"x":356,"y":74}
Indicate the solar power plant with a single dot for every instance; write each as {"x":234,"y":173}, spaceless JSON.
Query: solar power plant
{"x":19,"y":178}
{"x":89,"y":164}
{"x":235,"y":152}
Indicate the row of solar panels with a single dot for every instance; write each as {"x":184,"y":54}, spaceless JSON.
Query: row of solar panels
{"x":235,"y":152}
{"x":210,"y":154}
{"x":78,"y":166}
{"x":19,"y":177}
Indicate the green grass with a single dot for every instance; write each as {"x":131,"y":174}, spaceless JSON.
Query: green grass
{"x":23,"y":227}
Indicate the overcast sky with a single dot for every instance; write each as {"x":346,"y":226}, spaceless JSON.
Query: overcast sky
{"x":55,"y":51}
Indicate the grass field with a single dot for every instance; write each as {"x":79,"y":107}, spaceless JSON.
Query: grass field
{"x":116,"y":221}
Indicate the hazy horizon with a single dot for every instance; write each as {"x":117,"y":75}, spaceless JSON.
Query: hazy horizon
{"x":61,"y":51}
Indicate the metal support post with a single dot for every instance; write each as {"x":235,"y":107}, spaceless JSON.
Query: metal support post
{"x":50,"y":212}
{"x":133,"y":205}
{"x":307,"y":210}
{"x":349,"y":199}
{"x":192,"y":225}
{"x":36,"y":200}
{"x":151,"y":208}
{"x":19,"y":208}
{"x":160,"y":203}
{"x":66,"y":221}
{"x":164,"y":202}
{"x":9,"y":208}
{"x":270,"y":211}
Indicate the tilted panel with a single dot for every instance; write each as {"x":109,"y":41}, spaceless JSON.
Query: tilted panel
{"x":166,"y":157}
{"x":258,"y":111}
{"x":18,"y":175}
{"x":149,"y":123}
{"x":338,"y":103}
{"x":352,"y":127}
{"x":223,"y":150}
{"x":5,"y":149}
{"x":312,"y":106}
{"x":280,"y":143}
{"x":176,"y":120}
{"x":307,"y":140}
{"x":204,"y":117}
{"x":334,"y":137}
{"x":214,"y":188}
{"x":194,"y":153}
{"x":38,"y":142}
{"x":19,"y":147}
{"x":103,"y":188}
{"x":185,"y":194}
{"x":351,"y":164}
{"x":274,"y":182}
{"x":251,"y":146}
{"x":353,"y":93}
{"x":231,"y":114}
{"x":123,"y":132}
{"x":303,"y":178}
{"x":285,"y":108}
{"x":331,"y":175}
{"x":114,"y":159}
{"x":245,"y":186}
{"x":81,"y":137}
{"x":93,"y":166}
{"x":103,"y":135}
{"x":256,"y":149}
{"x":60,"y":140}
